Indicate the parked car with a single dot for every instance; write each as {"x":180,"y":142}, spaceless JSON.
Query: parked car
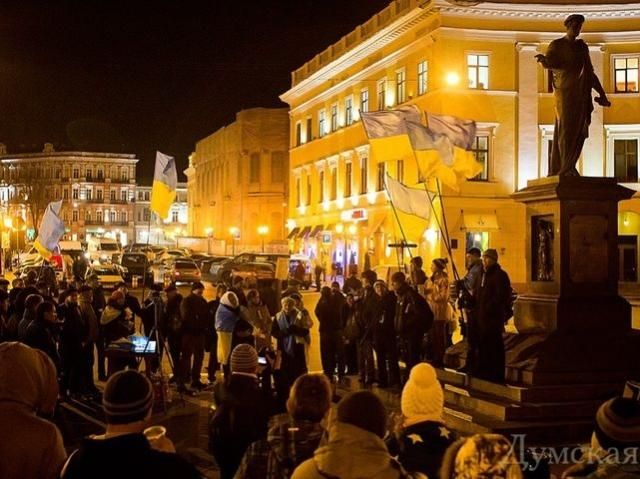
{"x":253,"y":271}
{"x":142,"y":248}
{"x":109,"y":274}
{"x":185,"y":271}
{"x":294,"y":261}
{"x":224,"y":273}
{"x":137,"y":264}
{"x":210,"y":267}
{"x":105,"y":250}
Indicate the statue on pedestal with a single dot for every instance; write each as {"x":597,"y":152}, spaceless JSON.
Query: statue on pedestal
{"x":568,"y":60}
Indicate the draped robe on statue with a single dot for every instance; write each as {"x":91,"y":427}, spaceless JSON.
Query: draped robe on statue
{"x":573,"y":80}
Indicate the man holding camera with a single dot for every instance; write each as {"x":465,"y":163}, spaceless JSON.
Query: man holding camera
{"x":467,"y":292}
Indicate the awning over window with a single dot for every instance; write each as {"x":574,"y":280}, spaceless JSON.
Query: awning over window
{"x":293,"y":233}
{"x":331,"y":227}
{"x":479,"y":221}
{"x":315,"y":231}
{"x":305,"y":232}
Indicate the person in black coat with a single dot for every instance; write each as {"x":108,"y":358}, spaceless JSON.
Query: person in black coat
{"x":369,"y":305}
{"x":492,"y":310}
{"x":329,"y":315}
{"x":194,"y":312}
{"x":413,"y":319}
{"x":99,"y":304}
{"x":242,"y":411}
{"x":384,"y":338}
{"x":42,"y":332}
{"x":73,"y":338}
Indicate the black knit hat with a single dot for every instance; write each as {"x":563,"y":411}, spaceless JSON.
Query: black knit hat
{"x":370,"y":276}
{"x":365,"y":410}
{"x":618,"y":423}
{"x":127,"y":398}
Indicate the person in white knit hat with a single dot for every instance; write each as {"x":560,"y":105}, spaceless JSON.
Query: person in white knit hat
{"x":422,"y":437}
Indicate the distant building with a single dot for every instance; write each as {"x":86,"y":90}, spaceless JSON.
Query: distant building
{"x":237,"y":181}
{"x":97,"y":190}
{"x":150,"y":228}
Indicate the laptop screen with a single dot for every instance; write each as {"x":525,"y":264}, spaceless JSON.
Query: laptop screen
{"x":141,"y":344}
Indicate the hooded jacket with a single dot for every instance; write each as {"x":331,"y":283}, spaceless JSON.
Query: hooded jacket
{"x":30,"y":447}
{"x":350,"y":453}
{"x":114,"y":322}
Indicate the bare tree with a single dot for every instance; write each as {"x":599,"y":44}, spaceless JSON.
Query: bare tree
{"x":33,"y":191}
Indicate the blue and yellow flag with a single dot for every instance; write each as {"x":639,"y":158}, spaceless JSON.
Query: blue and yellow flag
{"x":50,"y":231}
{"x":387,"y":131}
{"x":165,"y":181}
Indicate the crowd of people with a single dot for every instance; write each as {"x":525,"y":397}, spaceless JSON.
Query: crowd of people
{"x":250,"y":438}
{"x":271,"y":417}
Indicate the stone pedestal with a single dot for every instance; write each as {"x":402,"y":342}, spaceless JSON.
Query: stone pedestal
{"x":572,"y":320}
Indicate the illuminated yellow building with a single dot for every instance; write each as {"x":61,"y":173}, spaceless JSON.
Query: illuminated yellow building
{"x":237,"y":182}
{"x":474,"y":62}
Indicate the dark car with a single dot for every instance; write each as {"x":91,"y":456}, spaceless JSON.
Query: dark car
{"x":137,"y":264}
{"x":209,"y":267}
{"x":185,"y":271}
{"x":253,"y":271}
{"x":224,"y":273}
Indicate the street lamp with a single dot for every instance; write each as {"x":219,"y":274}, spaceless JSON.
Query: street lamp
{"x":234,"y":231}
{"x":263,"y":231}
{"x":209,"y":232}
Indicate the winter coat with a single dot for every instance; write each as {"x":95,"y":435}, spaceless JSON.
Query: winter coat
{"x":494,"y":299}
{"x":114,"y":322}
{"x":437,"y":292}
{"x":350,"y":453}
{"x":383,"y":328}
{"x":369,"y":307}
{"x":241,"y":417}
{"x":172,"y":319}
{"x":128,"y":456}
{"x":43,"y":336}
{"x":89,"y":317}
{"x":330,"y":319}
{"x":74,"y":331}
{"x":288,"y":443}
{"x":421,"y":447}
{"x":27,"y":318}
{"x":30,"y":447}
{"x":413,"y":315}
{"x":195,"y":313}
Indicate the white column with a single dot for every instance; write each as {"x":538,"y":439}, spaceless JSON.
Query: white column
{"x":592,"y":162}
{"x":527,"y":160}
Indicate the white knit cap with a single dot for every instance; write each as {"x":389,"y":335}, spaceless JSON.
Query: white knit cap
{"x":422,"y":396}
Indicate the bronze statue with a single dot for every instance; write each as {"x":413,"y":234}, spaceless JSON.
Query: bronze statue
{"x":573,"y":79}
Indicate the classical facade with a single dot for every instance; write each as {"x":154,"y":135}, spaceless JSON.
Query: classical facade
{"x":476,"y":62}
{"x":237,"y":182}
{"x":97,"y":190}
{"x":162,"y":232}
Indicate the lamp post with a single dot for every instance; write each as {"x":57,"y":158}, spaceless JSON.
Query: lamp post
{"x":209,"y":232}
{"x":263,"y":230}
{"x":234,"y":231}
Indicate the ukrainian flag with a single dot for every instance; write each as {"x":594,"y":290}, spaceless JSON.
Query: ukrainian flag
{"x":165,"y":180}
{"x":50,"y":231}
{"x":388,"y":133}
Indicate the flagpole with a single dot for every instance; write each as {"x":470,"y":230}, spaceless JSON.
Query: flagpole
{"x":444,"y":231}
{"x":404,"y":237}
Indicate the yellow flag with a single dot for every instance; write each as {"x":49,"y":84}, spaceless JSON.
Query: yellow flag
{"x":165,"y":181}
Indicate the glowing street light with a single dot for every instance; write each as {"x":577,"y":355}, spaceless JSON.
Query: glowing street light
{"x":263,"y":230}
{"x":452,"y":79}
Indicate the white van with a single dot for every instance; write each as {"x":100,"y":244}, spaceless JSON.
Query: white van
{"x":105,"y":250}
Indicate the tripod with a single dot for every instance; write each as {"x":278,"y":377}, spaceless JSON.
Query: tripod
{"x":161,"y":340}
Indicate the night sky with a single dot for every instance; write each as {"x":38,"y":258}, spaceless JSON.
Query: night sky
{"x":136,"y":76}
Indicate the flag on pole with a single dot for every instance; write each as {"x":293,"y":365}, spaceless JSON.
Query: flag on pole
{"x":409,"y":200}
{"x":50,"y":231}
{"x":165,"y":181}
{"x":387,"y":131}
{"x":461,"y":133}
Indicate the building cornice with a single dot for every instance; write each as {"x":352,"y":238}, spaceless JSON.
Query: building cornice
{"x":518,"y":36}
{"x":70,"y":155}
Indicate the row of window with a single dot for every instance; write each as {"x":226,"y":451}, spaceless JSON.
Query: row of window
{"x":145,"y":215}
{"x":625,"y":76}
{"x":87,"y":194}
{"x":58,"y":173}
{"x":107,"y":216}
